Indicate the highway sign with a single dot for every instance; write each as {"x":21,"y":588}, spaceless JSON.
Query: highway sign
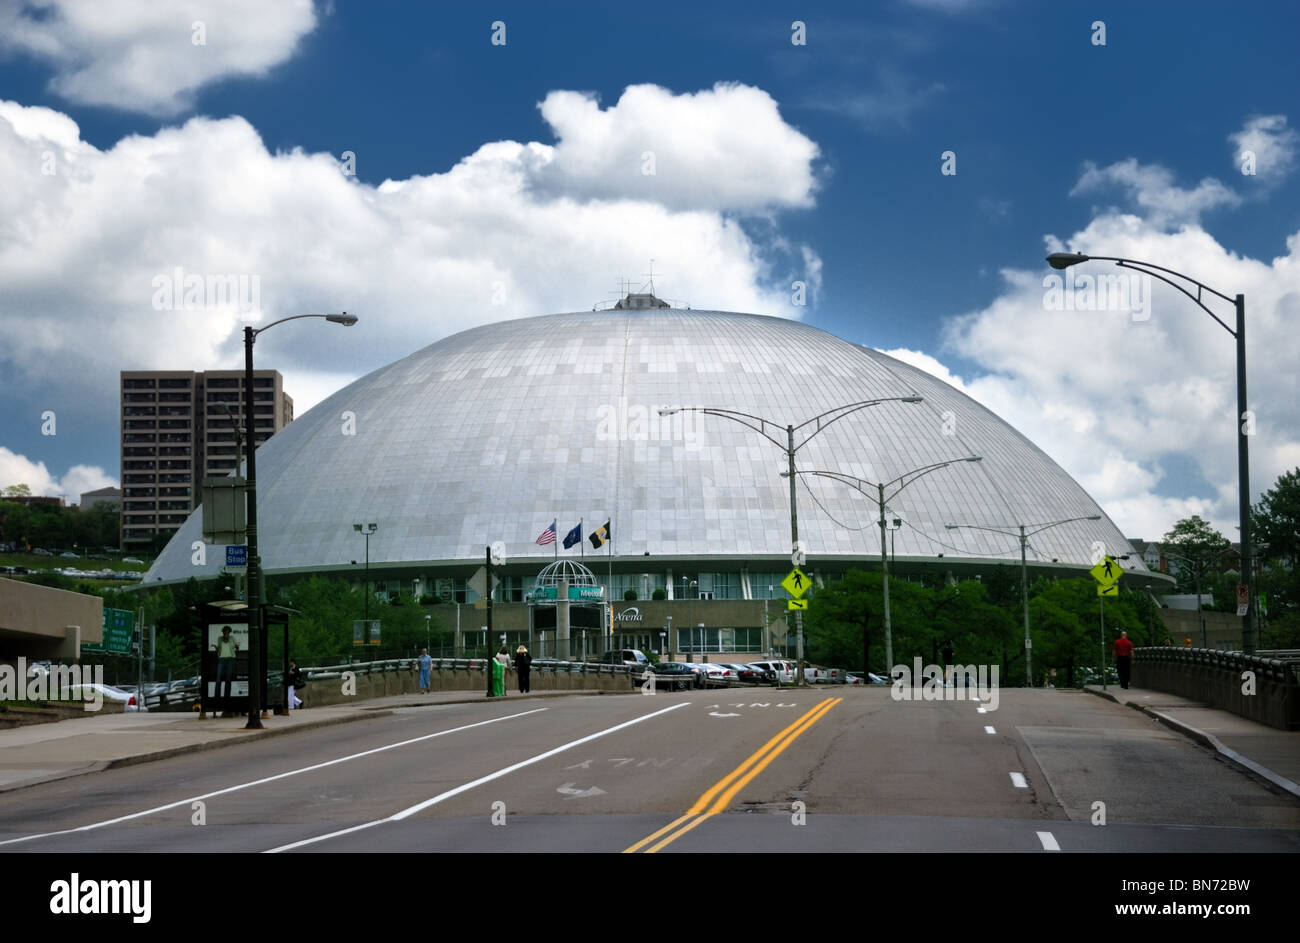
{"x":795,"y":583}
{"x":119,"y":632}
{"x":1107,"y":571}
{"x":792,"y":604}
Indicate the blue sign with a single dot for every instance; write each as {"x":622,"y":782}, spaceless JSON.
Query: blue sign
{"x":237,"y":555}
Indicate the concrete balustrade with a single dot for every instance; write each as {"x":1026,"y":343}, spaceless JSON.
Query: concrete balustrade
{"x":1265,"y":690}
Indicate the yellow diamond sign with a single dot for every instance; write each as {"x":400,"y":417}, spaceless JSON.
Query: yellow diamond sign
{"x":1108,"y":571}
{"x":1108,"y":589}
{"x":793,"y":604}
{"x":795,"y":583}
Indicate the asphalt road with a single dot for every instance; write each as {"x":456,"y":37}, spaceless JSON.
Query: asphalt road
{"x":824,"y":769}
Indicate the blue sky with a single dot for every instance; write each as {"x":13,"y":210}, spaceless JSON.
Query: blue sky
{"x":773,"y":162}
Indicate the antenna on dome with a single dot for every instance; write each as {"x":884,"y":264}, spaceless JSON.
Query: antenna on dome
{"x":651,"y":276}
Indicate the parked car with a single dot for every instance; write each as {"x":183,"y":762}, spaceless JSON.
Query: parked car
{"x":108,"y":693}
{"x":673,"y":675}
{"x":783,"y":671}
{"x":748,"y":674}
{"x":41,"y":552}
{"x":69,"y":555}
{"x":132,"y":560}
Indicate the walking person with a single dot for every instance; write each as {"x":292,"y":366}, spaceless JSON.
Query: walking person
{"x":426,"y":665}
{"x":293,"y":681}
{"x":1123,"y":658}
{"x":523,"y":665}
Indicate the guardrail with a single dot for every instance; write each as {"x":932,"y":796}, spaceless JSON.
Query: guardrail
{"x":1263,"y":689}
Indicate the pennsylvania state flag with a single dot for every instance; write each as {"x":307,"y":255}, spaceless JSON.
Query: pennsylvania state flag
{"x":572,"y":537}
{"x":600,"y":535}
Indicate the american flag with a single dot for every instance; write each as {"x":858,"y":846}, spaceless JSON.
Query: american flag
{"x":547,"y":536}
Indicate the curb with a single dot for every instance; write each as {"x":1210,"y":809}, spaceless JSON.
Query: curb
{"x":1209,"y":741}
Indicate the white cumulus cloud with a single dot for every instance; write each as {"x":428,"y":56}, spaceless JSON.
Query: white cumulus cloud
{"x":724,"y":148}
{"x":1152,"y":189}
{"x":1272,"y":144}
{"x":153,"y":254}
{"x":143,"y":55}
{"x":20,"y":470}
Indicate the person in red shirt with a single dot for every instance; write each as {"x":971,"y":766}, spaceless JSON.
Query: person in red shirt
{"x":1123,"y":658}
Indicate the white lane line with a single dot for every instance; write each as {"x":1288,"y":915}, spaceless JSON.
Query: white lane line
{"x":419,"y":807}
{"x":1049,"y":843}
{"x":269,"y":779}
{"x":988,"y":729}
{"x":1018,"y":780}
{"x":981,"y":710}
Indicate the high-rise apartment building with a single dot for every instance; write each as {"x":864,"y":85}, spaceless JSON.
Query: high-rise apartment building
{"x":178,"y":427}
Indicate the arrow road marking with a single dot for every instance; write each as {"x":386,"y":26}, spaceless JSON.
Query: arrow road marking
{"x":569,"y":790}
{"x":716,"y":714}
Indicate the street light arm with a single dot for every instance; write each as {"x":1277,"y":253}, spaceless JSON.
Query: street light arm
{"x":1061,"y":260}
{"x":839,"y":412}
{"x":757,"y":423}
{"x":347,"y":320}
{"x":1069,"y":520}
{"x":908,"y":477}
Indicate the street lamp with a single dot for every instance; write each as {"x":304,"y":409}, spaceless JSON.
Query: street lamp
{"x":1024,"y":571}
{"x":257,"y":673}
{"x":367,"y":531}
{"x":881,"y":499}
{"x":1063,"y":260}
{"x":762,"y":426}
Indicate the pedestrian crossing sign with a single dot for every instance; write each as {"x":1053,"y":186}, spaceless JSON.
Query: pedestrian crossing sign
{"x":793,"y":604}
{"x":1108,"y":589}
{"x":795,"y":583}
{"x":1107,"y":571}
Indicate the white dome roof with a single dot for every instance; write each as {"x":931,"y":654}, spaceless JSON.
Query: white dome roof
{"x":494,"y":432}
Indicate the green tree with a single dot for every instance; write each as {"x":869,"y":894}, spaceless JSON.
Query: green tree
{"x":17,"y":491}
{"x":1198,"y":549}
{"x":1277,"y":518}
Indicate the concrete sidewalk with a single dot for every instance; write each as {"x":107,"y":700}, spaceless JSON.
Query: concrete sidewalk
{"x":40,"y":753}
{"x":1264,"y":751}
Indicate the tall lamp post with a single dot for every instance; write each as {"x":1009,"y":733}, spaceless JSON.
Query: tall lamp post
{"x":366,"y":530}
{"x":1024,"y":536}
{"x":257,"y":674}
{"x":770,"y":430}
{"x":1063,"y":260}
{"x":861,"y":485}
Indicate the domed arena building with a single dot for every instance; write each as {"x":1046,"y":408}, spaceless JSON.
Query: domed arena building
{"x":495,"y":433}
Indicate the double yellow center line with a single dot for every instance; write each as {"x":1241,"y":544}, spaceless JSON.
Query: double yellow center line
{"x":724,"y":790}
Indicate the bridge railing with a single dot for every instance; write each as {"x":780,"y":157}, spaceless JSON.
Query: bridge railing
{"x":1263,"y":689}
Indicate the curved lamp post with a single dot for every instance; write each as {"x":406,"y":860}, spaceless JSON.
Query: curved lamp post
{"x":881,"y":499}
{"x":1024,"y":536}
{"x":770,"y":431}
{"x":1063,"y":260}
{"x":257,"y":674}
